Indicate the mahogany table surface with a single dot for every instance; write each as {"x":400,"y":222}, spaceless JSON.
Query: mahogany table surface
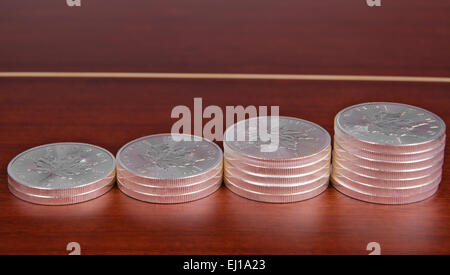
{"x":400,"y":38}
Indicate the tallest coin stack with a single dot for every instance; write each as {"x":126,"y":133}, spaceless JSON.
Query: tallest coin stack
{"x":388,"y":153}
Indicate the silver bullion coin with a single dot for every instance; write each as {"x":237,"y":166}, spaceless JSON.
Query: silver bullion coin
{"x":297,"y":140}
{"x":388,"y":166}
{"x":277,"y":171}
{"x":391,"y":155}
{"x":162,"y":159}
{"x":61,"y":169}
{"x":396,"y":164}
{"x":387,"y":183}
{"x":388,"y":149}
{"x":173,"y":191}
{"x":386,"y":192}
{"x":367,"y":197}
{"x":229,"y":154}
{"x":62,"y":192}
{"x":50,"y":200}
{"x":387,"y":174}
{"x":271,"y":198}
{"x":270,"y":179}
{"x":390,"y":126}
{"x":169,"y":199}
{"x":275,"y":189}
{"x":170,"y":183}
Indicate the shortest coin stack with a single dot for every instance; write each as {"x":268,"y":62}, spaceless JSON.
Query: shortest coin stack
{"x":169,"y":168}
{"x":293,"y":165}
{"x":61,"y":173}
{"x":388,"y":153}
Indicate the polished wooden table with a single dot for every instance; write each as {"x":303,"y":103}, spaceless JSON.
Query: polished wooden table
{"x":401,"y":38}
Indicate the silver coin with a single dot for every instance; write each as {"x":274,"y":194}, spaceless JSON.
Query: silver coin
{"x":162,"y":157}
{"x":388,"y":166}
{"x":230,"y":155}
{"x":297,"y":139}
{"x":341,"y":137}
{"x":68,"y":192}
{"x":386,"y":174}
{"x":263,"y":197}
{"x":169,"y":199}
{"x":292,"y":171}
{"x":275,"y":189}
{"x":51,"y":200}
{"x":168,"y":182}
{"x":368,"y":197}
{"x":170,"y":190}
{"x":270,"y":179}
{"x":393,"y":124}
{"x":61,"y":168}
{"x":386,"y":183}
{"x":383,"y":191}
{"x":388,"y":156}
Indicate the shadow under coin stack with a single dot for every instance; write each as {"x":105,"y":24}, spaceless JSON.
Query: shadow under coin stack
{"x":388,"y":153}
{"x":165,"y":169}
{"x":61,"y":173}
{"x":296,"y":168}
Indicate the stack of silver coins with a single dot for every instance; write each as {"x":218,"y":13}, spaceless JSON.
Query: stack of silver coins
{"x":388,"y":153}
{"x":276,"y":159}
{"x":169,"y":168}
{"x":61,"y":173}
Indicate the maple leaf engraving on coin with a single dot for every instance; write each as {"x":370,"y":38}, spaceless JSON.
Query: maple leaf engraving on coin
{"x":170,"y":154}
{"x":392,"y":124}
{"x":68,"y":165}
{"x":288,"y":138}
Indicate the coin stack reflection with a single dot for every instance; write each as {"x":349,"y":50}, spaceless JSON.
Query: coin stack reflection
{"x":169,"y":168}
{"x":388,"y":153}
{"x":61,"y":173}
{"x":292,"y":167}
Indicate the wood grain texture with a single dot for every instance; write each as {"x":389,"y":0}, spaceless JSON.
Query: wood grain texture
{"x":110,"y":113}
{"x":403,"y":37}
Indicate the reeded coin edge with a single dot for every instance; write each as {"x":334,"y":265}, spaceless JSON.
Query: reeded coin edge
{"x":398,"y":161}
{"x":230,"y":169}
{"x":336,"y":176}
{"x":63,"y":192}
{"x":268,"y":198}
{"x":170,"y":199}
{"x":170,"y":185}
{"x":364,"y":197}
{"x":174,"y":182}
{"x":270,"y":165}
{"x":56,"y":201}
{"x":227,"y":163}
{"x":340,"y":158}
{"x":171,"y":191}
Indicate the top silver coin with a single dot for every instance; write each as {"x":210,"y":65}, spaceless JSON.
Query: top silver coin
{"x":165,"y":156}
{"x":61,"y":166}
{"x":387,"y":123}
{"x":297,"y":139}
